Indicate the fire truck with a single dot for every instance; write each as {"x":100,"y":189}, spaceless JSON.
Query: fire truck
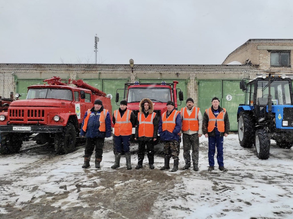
{"x":51,"y":113}
{"x":158,"y":93}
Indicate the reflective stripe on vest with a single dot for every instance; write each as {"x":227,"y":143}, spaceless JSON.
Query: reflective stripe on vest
{"x":219,"y":119}
{"x":146,"y":126}
{"x":168,"y":124}
{"x":102,"y":119}
{"x":190,"y":122}
{"x":122,"y":125}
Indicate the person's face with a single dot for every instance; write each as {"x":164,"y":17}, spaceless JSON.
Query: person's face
{"x":189,"y":104}
{"x":97,"y":107}
{"x":146,"y":106}
{"x":123,"y":107}
{"x":215,"y":104}
{"x":170,"y":108}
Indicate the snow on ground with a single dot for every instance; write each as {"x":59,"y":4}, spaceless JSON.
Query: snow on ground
{"x":35,"y":184}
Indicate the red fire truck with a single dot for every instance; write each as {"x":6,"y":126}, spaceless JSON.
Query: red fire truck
{"x":51,"y":113}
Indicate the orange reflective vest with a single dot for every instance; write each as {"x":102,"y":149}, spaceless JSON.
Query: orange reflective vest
{"x":190,"y":122}
{"x":219,"y":119}
{"x":168,"y":124}
{"x":146,"y":126}
{"x":102,"y":120}
{"x":122,"y":125}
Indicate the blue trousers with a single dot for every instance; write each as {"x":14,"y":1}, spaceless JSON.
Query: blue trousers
{"x":216,"y":142}
{"x":122,"y":142}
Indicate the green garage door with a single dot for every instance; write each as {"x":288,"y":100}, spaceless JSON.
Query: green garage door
{"x":227,"y":91}
{"x":110,"y":86}
{"x":182,"y":84}
{"x":232,"y":97}
{"x":22,"y":85}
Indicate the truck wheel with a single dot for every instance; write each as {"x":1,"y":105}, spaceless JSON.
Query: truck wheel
{"x":10,"y":143}
{"x":262,"y":144}
{"x":245,"y":130}
{"x":65,"y":142}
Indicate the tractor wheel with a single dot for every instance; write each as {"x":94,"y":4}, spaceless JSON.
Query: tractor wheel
{"x":262,"y":144}
{"x":245,"y":130}
{"x":10,"y":143}
{"x":284,"y":144}
{"x":65,"y":142}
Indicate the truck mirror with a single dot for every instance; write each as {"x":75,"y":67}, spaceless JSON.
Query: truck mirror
{"x":82,"y":94}
{"x":117,"y":97}
{"x":180,"y":95}
{"x":243,"y":85}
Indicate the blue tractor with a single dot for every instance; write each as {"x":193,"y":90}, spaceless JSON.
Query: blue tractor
{"x":266,"y":114}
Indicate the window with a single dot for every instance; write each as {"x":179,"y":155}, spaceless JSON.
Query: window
{"x":155,"y":94}
{"x":76,"y":96}
{"x":280,"y":58}
{"x":48,"y":93}
{"x":87,"y":97}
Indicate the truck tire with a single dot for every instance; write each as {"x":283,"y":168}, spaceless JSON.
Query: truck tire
{"x":245,"y":130}
{"x":262,"y":144}
{"x":10,"y":143}
{"x":65,"y":142}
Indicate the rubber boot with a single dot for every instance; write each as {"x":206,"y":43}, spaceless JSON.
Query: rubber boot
{"x":139,"y":164}
{"x":175,"y":167}
{"x":128,"y":161}
{"x":151,"y":160}
{"x":187,"y":165}
{"x":86,"y":163}
{"x":117,"y":161}
{"x":97,"y":162}
{"x":166,"y":165}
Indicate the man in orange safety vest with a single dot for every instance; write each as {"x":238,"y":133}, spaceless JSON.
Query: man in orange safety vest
{"x":192,"y":130}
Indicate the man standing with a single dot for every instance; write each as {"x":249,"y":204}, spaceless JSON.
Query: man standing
{"x":192,"y":130}
{"x":96,"y":126}
{"x":216,"y":125}
{"x":169,"y":130}
{"x":146,"y":131}
{"x":123,"y":119}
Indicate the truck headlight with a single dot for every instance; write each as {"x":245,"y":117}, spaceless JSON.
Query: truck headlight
{"x":56,"y":118}
{"x":285,"y":123}
{"x":2,"y":118}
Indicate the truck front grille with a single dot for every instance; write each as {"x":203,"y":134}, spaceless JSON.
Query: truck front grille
{"x":28,"y":115}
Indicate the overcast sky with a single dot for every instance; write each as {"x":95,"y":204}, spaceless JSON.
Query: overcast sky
{"x":148,"y":31}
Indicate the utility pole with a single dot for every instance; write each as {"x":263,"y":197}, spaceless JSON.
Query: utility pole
{"x":96,"y":49}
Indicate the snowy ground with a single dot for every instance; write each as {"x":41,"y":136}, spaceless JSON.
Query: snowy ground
{"x":38,"y":184}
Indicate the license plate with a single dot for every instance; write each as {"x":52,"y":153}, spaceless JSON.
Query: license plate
{"x":21,"y":128}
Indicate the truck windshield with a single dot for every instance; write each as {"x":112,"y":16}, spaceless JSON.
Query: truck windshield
{"x":280,"y":91}
{"x":46,"y":93}
{"x":155,"y":94}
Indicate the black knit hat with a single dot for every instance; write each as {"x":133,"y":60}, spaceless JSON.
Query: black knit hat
{"x":189,"y":99}
{"x":170,"y":103}
{"x":98,"y":102}
{"x":216,"y":98}
{"x":123,"y":102}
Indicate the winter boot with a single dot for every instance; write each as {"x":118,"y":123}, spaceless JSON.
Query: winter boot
{"x":139,"y":163}
{"x":223,"y":169}
{"x":187,"y":165}
{"x":195,"y":168}
{"x":166,"y":165}
{"x":97,"y":162}
{"x":128,"y":160}
{"x":117,"y":161}
{"x":175,"y":167}
{"x":151,"y":160}
{"x":86,"y":163}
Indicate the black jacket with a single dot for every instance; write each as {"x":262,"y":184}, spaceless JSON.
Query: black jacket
{"x":205,"y":122}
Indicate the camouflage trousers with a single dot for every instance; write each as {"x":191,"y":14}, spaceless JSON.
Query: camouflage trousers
{"x":191,"y":142}
{"x":171,"y":149}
